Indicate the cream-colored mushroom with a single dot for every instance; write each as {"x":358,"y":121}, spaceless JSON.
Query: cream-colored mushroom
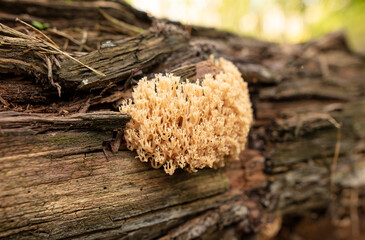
{"x":189,"y":125}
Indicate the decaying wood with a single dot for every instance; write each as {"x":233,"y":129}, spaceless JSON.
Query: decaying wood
{"x":58,"y":179}
{"x":122,"y":60}
{"x":40,"y":123}
{"x":136,"y":54}
{"x":69,"y":188}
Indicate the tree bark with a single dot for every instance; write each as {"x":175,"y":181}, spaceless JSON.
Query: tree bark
{"x":64,"y":174}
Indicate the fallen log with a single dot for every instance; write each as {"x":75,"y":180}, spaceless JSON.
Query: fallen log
{"x":60,"y":179}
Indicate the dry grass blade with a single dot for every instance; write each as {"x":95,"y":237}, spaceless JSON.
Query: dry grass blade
{"x":122,"y":26}
{"x":76,"y":60}
{"x":35,"y":29}
{"x":50,"y":45}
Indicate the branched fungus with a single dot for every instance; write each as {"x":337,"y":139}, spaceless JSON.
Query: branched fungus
{"x":189,"y":125}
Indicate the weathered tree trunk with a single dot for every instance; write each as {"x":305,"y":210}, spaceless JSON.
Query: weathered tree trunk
{"x":61,"y":178}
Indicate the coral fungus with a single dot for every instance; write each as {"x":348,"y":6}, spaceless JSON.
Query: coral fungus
{"x":189,"y":125}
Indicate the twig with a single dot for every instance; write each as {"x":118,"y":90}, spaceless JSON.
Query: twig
{"x":65,"y":45}
{"x":116,"y":142}
{"x":85,"y":107}
{"x":323,"y":63}
{"x":354,"y":214}
{"x":335,"y":158}
{"x":3,"y":101}
{"x":55,"y":60}
{"x":334,"y":165}
{"x":84,"y":40}
{"x":50,"y":76}
{"x":67,"y":36}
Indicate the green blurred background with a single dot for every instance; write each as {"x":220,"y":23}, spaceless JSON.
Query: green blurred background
{"x":284,"y":21}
